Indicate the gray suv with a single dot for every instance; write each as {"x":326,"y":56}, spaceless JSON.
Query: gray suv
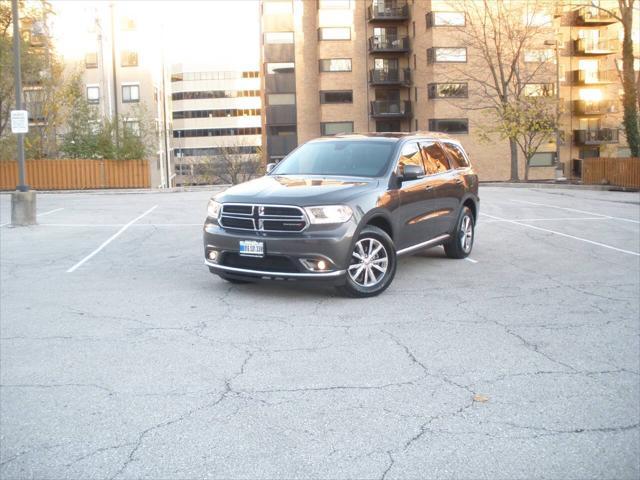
{"x":342,"y":209}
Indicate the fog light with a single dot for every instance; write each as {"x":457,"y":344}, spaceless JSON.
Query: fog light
{"x":213,"y":254}
{"x":322,"y":265}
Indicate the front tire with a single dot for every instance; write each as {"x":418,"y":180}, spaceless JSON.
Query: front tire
{"x":462,"y":242}
{"x":372,"y":264}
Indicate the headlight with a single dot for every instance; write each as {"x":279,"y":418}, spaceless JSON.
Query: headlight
{"x":213,"y":209}
{"x":329,"y":214}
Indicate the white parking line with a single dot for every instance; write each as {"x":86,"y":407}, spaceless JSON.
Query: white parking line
{"x":109,"y":240}
{"x":563,"y":235}
{"x":579,"y":211}
{"x":471,"y":260}
{"x":38,"y":215}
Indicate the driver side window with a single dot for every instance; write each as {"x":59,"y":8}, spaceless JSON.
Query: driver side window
{"x":410,"y":155}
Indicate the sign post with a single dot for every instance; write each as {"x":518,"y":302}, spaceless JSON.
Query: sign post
{"x":23,"y":200}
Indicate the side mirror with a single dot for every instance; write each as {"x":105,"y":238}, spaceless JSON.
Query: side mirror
{"x":270,"y":166}
{"x":411,"y":172}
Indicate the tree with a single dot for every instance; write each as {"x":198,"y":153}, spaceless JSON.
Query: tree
{"x":231,"y":165}
{"x":530,"y":122}
{"x":497,"y":33}
{"x":42,"y":78}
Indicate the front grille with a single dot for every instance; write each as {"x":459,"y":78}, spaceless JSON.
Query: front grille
{"x":263,"y":218}
{"x":268,"y":263}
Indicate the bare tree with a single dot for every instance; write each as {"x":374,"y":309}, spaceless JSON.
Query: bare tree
{"x":498,"y":33}
{"x":231,"y":164}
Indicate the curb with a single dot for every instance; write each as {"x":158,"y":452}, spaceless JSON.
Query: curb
{"x":568,"y":186}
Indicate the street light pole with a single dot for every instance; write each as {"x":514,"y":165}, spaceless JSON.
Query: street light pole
{"x":23,"y":200}
{"x":17,"y":72}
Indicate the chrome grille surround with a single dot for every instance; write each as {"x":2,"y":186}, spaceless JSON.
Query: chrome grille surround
{"x":262,"y":217}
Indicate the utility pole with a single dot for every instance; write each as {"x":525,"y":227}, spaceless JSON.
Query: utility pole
{"x":23,"y":200}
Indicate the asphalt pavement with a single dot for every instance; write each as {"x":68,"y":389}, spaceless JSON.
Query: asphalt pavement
{"x":121,"y":356}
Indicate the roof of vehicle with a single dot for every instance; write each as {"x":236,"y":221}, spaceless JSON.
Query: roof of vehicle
{"x":392,"y":136}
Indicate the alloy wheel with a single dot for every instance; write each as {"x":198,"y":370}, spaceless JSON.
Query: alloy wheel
{"x":370,"y":261}
{"x":466,"y":233}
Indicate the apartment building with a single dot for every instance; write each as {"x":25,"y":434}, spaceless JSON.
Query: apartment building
{"x":119,"y":49}
{"x":334,"y":66}
{"x":215,"y":113}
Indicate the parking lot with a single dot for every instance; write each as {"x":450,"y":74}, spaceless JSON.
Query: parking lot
{"x":123,"y":357}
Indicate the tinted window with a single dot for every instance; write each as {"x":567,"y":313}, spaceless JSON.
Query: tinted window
{"x":410,"y":155}
{"x":435,"y":159}
{"x":340,"y":157}
{"x":455,"y":154}
{"x":449,"y":125}
{"x":336,"y":96}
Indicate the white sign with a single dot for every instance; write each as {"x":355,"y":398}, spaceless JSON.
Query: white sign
{"x":19,"y":121}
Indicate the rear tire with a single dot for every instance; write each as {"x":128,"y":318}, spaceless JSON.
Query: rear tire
{"x":461,"y":243}
{"x":372,"y":264}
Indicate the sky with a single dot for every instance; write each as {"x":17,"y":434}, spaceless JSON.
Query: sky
{"x":219,"y":34}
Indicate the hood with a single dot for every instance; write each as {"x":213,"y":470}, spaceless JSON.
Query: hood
{"x":297,"y":190}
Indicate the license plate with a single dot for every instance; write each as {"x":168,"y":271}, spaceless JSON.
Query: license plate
{"x":251,"y":248}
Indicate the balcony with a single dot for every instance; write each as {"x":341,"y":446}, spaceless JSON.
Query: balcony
{"x":379,"y":12}
{"x":593,"y":77}
{"x":390,"y":108}
{"x":390,"y":77}
{"x":594,"y":17}
{"x":595,"y":136}
{"x":588,"y":46}
{"x":593,"y":107}
{"x":388,"y":44}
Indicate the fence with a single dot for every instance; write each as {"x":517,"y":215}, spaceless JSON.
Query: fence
{"x":621,"y":172}
{"x":78,"y":174}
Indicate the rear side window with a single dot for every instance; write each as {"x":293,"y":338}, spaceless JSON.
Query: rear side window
{"x":435,"y":160}
{"x":410,"y":155}
{"x":456,"y":155}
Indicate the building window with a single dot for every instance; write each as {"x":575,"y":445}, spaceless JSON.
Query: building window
{"x":537,"y":19}
{"x":132,"y":127}
{"x":449,"y":125}
{"x":127,"y":24}
{"x":198,"y":95}
{"x":334,"y":33}
{"x":93,"y":93}
{"x":281,"y":130}
{"x":539,"y":90}
{"x":539,"y":55}
{"x":336,"y":96}
{"x":281,"y":99}
{"x":220,"y":113}
{"x":336,"y":128}
{"x":277,"y":7}
{"x":333,"y":4}
{"x":335,"y":65}
{"x":284,"y":67}
{"x":91,"y":60}
{"x":542,"y":159}
{"x":447,"y":55}
{"x":273,"y":38}
{"x":183,"y":169}
{"x":448,"y":90}
{"x":129,"y":59}
{"x":216,"y":132}
{"x":446,"y":19}
{"x":130,"y":93}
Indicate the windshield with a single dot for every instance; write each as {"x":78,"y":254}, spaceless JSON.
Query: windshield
{"x":359,"y":158}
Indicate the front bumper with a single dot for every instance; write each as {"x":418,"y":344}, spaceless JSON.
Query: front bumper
{"x":283,"y":252}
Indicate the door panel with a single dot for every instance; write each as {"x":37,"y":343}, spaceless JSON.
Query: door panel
{"x":416,"y":202}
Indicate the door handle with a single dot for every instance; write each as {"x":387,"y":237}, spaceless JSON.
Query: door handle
{"x":428,"y":187}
